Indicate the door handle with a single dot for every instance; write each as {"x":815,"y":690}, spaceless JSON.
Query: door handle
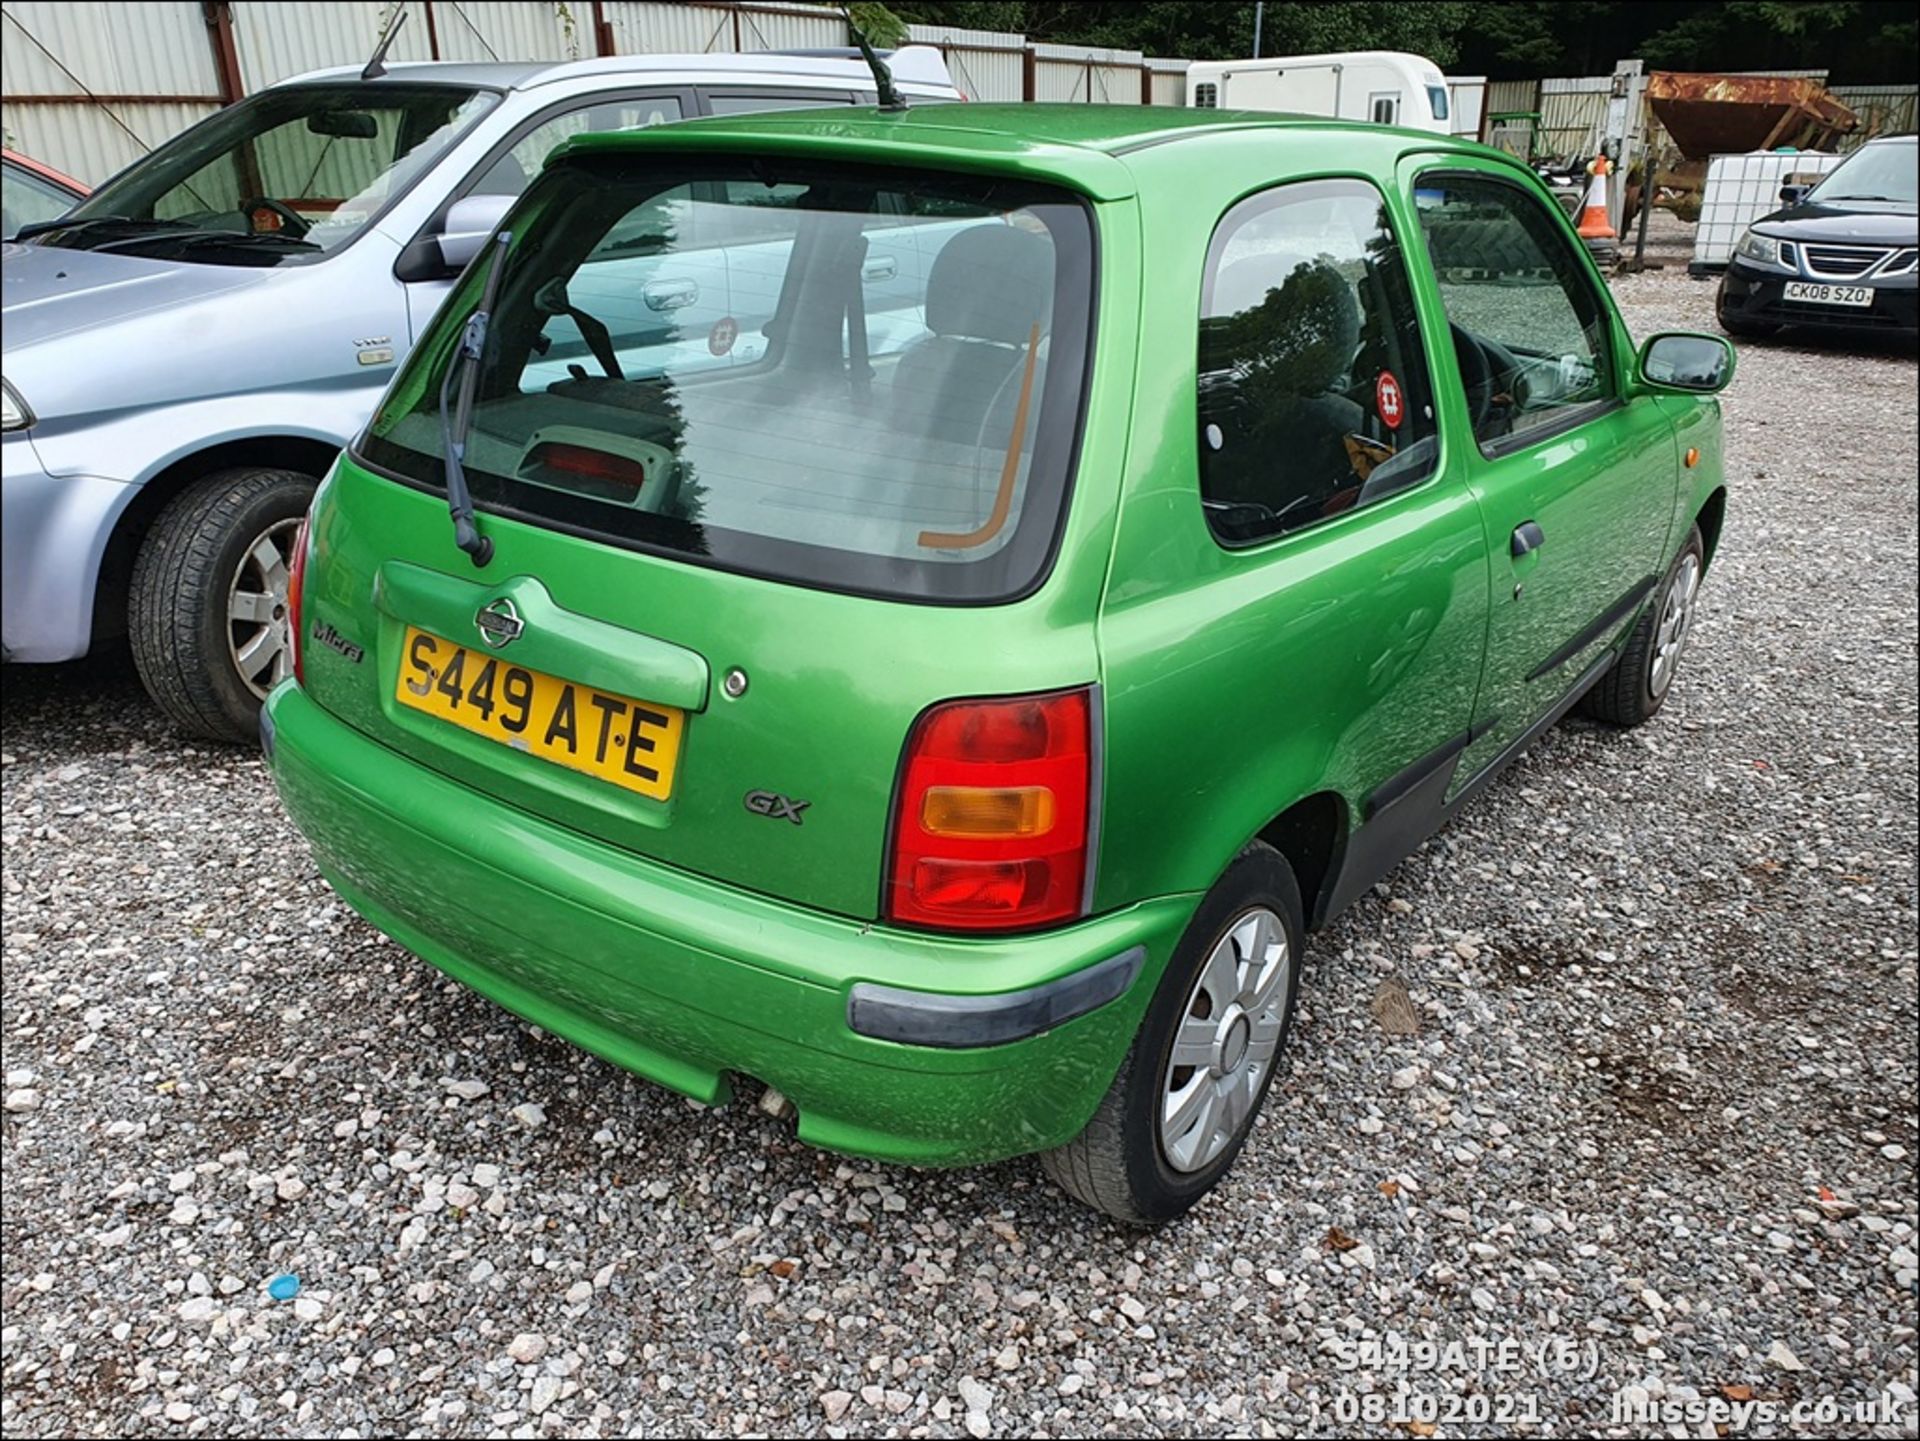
{"x":670,"y":294}
{"x":883,"y":267}
{"x":1527,"y":538}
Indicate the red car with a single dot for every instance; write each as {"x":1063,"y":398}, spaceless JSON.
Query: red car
{"x":30,"y":191}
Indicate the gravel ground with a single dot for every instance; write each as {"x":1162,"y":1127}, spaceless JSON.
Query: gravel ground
{"x":1660,"y":1106}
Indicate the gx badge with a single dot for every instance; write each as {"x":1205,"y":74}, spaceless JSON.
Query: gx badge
{"x":775,"y":806}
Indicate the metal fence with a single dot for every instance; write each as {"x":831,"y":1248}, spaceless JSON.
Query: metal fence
{"x":1571,"y":113}
{"x":90,"y":85}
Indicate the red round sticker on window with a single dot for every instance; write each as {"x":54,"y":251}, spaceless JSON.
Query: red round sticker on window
{"x":725,"y":331}
{"x":1388,"y":400}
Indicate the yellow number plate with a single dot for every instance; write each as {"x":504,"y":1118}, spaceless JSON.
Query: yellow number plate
{"x":626,"y":742}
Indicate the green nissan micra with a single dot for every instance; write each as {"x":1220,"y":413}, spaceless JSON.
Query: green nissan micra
{"x":922,"y":612}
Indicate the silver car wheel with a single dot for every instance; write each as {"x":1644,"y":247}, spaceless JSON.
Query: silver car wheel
{"x":1676,"y":623}
{"x":257,"y":626}
{"x":1225,"y":1043}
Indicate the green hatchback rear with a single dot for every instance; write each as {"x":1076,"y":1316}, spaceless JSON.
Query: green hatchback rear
{"x":944,"y":601}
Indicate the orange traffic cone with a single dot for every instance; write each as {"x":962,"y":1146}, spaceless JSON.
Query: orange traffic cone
{"x":1594,"y":224}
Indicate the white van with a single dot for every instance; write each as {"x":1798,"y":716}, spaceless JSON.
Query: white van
{"x":1387,"y":87}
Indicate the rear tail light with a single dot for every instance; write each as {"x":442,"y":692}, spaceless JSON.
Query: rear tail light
{"x":296,"y":593}
{"x":991,"y":822}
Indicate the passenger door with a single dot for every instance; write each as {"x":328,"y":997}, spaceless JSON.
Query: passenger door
{"x":512,"y":164}
{"x":1317,"y":629}
{"x":1575,"y":481}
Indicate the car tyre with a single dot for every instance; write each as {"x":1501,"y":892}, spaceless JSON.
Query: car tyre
{"x":1633,"y":691}
{"x":1144,"y":1159}
{"x":208,"y":615}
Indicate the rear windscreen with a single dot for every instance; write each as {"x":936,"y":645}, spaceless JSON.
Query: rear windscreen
{"x":847,"y":378}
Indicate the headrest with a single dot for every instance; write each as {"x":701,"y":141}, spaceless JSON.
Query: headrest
{"x":991,"y":282}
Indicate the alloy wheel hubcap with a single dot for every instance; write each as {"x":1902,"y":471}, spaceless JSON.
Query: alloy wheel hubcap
{"x":1676,"y":623}
{"x":258,"y":633}
{"x":1225,"y":1042}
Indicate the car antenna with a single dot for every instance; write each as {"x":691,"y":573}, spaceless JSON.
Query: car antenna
{"x":890,"y":98}
{"x":377,"y":66}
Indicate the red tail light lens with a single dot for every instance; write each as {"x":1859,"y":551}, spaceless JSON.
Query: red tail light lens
{"x":296,"y":588}
{"x":991,"y":822}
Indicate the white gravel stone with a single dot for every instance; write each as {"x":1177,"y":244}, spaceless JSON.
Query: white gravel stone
{"x":528,"y":1347}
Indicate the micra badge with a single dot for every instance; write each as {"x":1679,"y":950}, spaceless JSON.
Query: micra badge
{"x":333,"y":640}
{"x":775,"y":806}
{"x":499,"y":623}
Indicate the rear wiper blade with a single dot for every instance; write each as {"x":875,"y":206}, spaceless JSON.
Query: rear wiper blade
{"x":453,"y":432}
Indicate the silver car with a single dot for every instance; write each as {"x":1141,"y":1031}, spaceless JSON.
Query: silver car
{"x":189,"y":348}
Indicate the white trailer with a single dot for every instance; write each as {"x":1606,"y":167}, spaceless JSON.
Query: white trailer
{"x":1387,"y":87}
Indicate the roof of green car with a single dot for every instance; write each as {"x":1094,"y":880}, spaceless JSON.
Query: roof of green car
{"x":1080,"y":144}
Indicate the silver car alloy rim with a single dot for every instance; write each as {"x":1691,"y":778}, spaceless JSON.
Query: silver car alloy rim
{"x":257,"y":609}
{"x":1676,"y":622}
{"x":1224,"y":1043}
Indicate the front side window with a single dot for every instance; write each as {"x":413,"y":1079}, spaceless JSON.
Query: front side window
{"x":1313,"y":388}
{"x":293,"y":171}
{"x":1437,"y":101}
{"x":854,"y":379}
{"x":1529,"y":332}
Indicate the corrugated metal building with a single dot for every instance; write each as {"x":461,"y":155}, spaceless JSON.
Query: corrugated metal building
{"x":91,"y":85}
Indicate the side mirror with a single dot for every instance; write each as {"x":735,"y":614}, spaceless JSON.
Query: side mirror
{"x":1793,"y":194}
{"x":469,"y":224}
{"x":1687,"y":362}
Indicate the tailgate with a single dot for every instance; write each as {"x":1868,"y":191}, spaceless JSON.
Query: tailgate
{"x":783,"y":789}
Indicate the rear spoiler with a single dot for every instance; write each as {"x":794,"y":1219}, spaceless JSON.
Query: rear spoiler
{"x":911,"y":64}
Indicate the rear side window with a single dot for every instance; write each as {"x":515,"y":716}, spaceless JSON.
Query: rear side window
{"x":847,"y":378}
{"x":1313,"y":390}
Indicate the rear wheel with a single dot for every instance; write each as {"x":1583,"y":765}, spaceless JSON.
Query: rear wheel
{"x":1184,"y":1100}
{"x":1635,"y":689}
{"x":208,"y":615}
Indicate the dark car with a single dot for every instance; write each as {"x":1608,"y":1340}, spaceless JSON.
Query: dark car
{"x":1840,"y":255}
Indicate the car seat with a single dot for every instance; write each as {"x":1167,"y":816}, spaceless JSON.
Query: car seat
{"x":988,"y":288}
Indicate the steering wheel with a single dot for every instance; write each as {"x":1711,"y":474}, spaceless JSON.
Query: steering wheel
{"x":1476,"y":373}
{"x":286,"y":213}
